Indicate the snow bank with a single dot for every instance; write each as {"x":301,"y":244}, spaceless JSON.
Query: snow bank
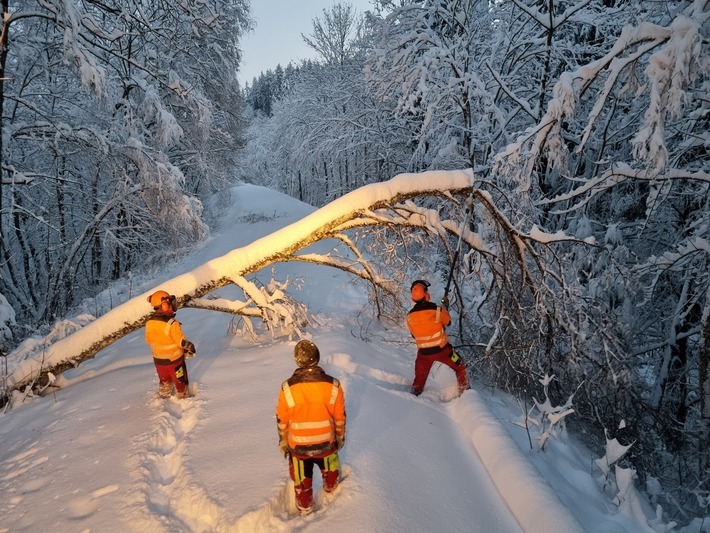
{"x":522,"y":488}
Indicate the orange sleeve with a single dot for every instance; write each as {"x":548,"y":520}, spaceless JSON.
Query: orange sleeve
{"x":339,"y":416}
{"x":176,"y":333}
{"x":282,"y":410}
{"x":445,"y":316}
{"x":283,"y":414}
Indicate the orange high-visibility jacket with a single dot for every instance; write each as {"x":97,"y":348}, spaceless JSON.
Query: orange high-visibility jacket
{"x":165,"y":337}
{"x":426,"y":322}
{"x":310,"y":412}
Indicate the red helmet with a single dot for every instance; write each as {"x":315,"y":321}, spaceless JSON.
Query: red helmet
{"x":162,"y":301}
{"x":420,"y":290}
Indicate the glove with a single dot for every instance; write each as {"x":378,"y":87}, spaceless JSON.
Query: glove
{"x":340,"y":441}
{"x":283,"y":446}
{"x":445,"y":302}
{"x":189,"y":348}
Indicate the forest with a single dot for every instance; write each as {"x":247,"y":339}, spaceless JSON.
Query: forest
{"x":579,"y":260}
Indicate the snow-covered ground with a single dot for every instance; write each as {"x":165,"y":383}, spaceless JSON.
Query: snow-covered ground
{"x":104,"y":454}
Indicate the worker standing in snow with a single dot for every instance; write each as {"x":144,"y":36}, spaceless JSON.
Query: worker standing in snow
{"x":169,"y":346}
{"x":310,"y":416}
{"x":427,"y":322}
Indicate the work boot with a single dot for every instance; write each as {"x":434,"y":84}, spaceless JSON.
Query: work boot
{"x":331,"y":478}
{"x":183,"y":392}
{"x":165,"y":390}
{"x":463,"y":387}
{"x":304,"y":496}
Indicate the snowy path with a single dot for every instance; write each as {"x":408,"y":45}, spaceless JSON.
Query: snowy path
{"x":169,"y":490}
{"x":168,"y":494}
{"x":422,"y":432}
{"x":112,"y":453}
{"x":211,"y":464}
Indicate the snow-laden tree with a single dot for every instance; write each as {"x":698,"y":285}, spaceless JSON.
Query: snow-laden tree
{"x":427,"y":59}
{"x":7,"y":320}
{"x":326,"y":135}
{"x":268,"y":88}
{"x":625,"y":135}
{"x":115,"y":118}
{"x":336,"y":35}
{"x":468,"y":75}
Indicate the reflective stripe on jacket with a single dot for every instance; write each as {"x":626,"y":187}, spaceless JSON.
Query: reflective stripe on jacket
{"x":310,"y":412}
{"x":426,"y":322}
{"x":164,"y":335}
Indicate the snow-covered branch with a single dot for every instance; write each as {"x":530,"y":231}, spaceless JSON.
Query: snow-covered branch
{"x":615,"y":175}
{"x":550,"y":21}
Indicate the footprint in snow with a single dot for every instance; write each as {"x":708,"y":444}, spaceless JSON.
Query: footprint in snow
{"x":170,"y":493}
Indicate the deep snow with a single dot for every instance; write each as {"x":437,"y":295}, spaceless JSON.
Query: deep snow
{"x":103,"y":453}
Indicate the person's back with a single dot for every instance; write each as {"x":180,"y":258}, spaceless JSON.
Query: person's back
{"x":164,"y":336}
{"x":427,"y":322}
{"x":310,"y":416}
{"x":312,"y":404}
{"x":168,"y":345}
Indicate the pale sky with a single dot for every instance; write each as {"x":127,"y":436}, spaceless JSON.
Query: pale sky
{"x":276,"y":38}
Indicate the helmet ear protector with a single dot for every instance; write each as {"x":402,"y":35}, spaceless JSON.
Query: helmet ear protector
{"x":170,"y":304}
{"x":420,"y":290}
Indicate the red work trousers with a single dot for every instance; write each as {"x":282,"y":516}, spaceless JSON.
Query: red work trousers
{"x":447,"y":356}
{"x":174,"y":373}
{"x":301,"y":471}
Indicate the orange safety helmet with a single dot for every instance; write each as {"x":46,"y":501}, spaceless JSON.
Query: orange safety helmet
{"x":162,"y":301}
{"x":420,"y":290}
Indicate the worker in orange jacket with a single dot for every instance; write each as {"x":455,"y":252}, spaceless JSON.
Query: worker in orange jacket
{"x":427,"y":323}
{"x":169,"y":346}
{"x":310,"y":416}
